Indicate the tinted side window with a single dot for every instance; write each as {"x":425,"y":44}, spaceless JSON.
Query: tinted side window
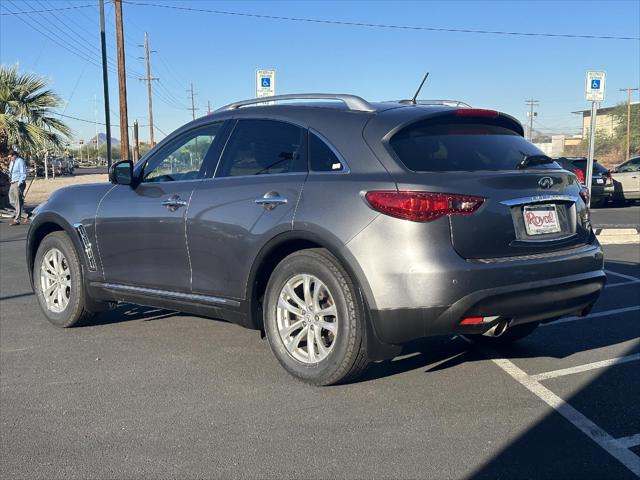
{"x":260,"y":147}
{"x":182,"y":159}
{"x":321,"y":157}
{"x":632,"y":165}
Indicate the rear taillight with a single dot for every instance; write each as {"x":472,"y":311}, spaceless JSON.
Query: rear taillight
{"x":476,"y":112}
{"x":609,"y":179}
{"x":584,"y":194}
{"x":422,"y":206}
{"x":579,"y":174}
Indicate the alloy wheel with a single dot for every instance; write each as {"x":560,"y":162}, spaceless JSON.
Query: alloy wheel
{"x":55,"y":280}
{"x":307,"y":319}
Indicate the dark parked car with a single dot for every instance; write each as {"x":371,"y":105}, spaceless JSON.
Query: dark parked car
{"x":601,"y":181}
{"x":341,"y":229}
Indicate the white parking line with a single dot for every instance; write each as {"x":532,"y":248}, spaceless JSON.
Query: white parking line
{"x":630,"y":441}
{"x":593,"y":315}
{"x":621,"y":275}
{"x":585,"y":368}
{"x":615,"y":448}
{"x":621,"y":284}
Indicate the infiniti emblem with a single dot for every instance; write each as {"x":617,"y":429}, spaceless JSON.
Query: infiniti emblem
{"x":545,"y":182}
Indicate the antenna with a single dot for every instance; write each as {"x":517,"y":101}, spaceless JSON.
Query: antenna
{"x":413,"y":100}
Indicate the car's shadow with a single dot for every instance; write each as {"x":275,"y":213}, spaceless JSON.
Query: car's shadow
{"x":128,"y":313}
{"x":439,"y":353}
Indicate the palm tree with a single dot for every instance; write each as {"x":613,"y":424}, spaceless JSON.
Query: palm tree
{"x":26,"y":121}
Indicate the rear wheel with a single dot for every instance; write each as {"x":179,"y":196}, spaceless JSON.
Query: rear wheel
{"x":57,"y":277}
{"x":314,"y":319}
{"x":511,"y":334}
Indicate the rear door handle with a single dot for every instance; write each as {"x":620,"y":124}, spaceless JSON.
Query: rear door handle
{"x":173,"y":203}
{"x":271,"y":200}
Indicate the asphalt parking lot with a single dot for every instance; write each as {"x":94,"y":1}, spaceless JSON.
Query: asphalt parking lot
{"x":143,"y":393}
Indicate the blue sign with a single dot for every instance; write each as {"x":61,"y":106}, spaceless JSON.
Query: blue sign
{"x":595,"y":84}
{"x":266,"y":82}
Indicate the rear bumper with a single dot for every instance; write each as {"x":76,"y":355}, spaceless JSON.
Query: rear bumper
{"x":416,"y":285}
{"x":519,"y":303}
{"x":602,"y":191}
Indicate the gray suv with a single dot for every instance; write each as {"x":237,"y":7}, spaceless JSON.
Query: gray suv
{"x":340,"y":228}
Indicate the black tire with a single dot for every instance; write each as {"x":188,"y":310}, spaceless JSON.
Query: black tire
{"x":75,"y":311}
{"x":512,"y":334}
{"x":348,"y":357}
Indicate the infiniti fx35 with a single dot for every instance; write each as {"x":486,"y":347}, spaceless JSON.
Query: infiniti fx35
{"x":340,"y":228}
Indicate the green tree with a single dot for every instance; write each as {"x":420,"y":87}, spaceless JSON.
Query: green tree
{"x":26,"y":121}
{"x":620,"y":119}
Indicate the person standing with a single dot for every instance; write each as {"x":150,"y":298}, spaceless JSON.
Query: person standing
{"x":18,"y":179}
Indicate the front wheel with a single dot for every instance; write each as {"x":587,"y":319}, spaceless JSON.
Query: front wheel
{"x":57,"y":278}
{"x":314,"y":319}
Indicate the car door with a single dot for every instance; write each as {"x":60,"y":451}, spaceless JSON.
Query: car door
{"x":141,"y":228}
{"x":628,"y":176}
{"x":251,"y":199}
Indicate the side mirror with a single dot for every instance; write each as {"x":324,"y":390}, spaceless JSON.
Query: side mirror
{"x":121,"y":173}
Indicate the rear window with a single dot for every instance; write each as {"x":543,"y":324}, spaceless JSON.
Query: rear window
{"x":597,"y":168}
{"x":424,"y":147}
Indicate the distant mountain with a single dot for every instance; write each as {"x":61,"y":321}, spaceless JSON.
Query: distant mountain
{"x":102,"y":139}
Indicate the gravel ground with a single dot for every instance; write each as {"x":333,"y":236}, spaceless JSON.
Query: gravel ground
{"x":41,"y":189}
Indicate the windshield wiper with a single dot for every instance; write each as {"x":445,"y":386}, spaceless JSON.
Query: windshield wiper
{"x":529,"y":160}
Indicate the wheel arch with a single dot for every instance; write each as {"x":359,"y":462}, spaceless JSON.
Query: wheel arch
{"x":43,"y":225}
{"x":275,"y":251}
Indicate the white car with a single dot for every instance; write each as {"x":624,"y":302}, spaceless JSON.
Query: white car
{"x":626,"y":179}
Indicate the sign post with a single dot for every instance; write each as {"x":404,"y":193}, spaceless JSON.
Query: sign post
{"x":594,"y":92}
{"x":265,"y":83}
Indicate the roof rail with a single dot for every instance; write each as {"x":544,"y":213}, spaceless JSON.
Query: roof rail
{"x":448,"y":103}
{"x":352,"y":102}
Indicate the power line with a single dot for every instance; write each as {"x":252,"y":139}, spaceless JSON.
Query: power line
{"x":75,"y":7}
{"x":380,"y":25}
{"x":70,"y":48}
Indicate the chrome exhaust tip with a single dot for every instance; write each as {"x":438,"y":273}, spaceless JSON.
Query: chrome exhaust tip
{"x":498,"y":329}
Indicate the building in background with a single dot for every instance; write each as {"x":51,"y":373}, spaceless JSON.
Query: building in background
{"x":559,"y":145}
{"x":605,"y":122}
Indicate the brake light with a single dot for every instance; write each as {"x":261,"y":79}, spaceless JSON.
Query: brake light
{"x":579,"y":174}
{"x":476,"y":112}
{"x":422,"y":206}
{"x":609,"y":179}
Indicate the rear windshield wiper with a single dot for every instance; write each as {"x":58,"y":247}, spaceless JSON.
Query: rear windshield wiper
{"x":529,"y":160}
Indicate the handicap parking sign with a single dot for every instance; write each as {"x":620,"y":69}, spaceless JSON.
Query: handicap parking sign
{"x":595,"y":86}
{"x":266,"y":82}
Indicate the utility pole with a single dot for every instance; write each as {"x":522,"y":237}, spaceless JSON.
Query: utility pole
{"x":208,"y":107}
{"x":105,"y":83}
{"x":628,"y":90}
{"x":193,"y":105}
{"x":149,"y":79}
{"x":531,"y":103}
{"x":95,"y":113}
{"x":136,"y":142}
{"x":122,"y":84}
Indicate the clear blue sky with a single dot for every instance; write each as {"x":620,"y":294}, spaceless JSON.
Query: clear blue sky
{"x":219,"y":54}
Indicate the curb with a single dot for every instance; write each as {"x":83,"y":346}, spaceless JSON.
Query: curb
{"x":618,"y":236}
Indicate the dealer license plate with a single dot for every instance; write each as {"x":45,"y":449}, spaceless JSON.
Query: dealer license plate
{"x":599,"y":180}
{"x":541,"y":219}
